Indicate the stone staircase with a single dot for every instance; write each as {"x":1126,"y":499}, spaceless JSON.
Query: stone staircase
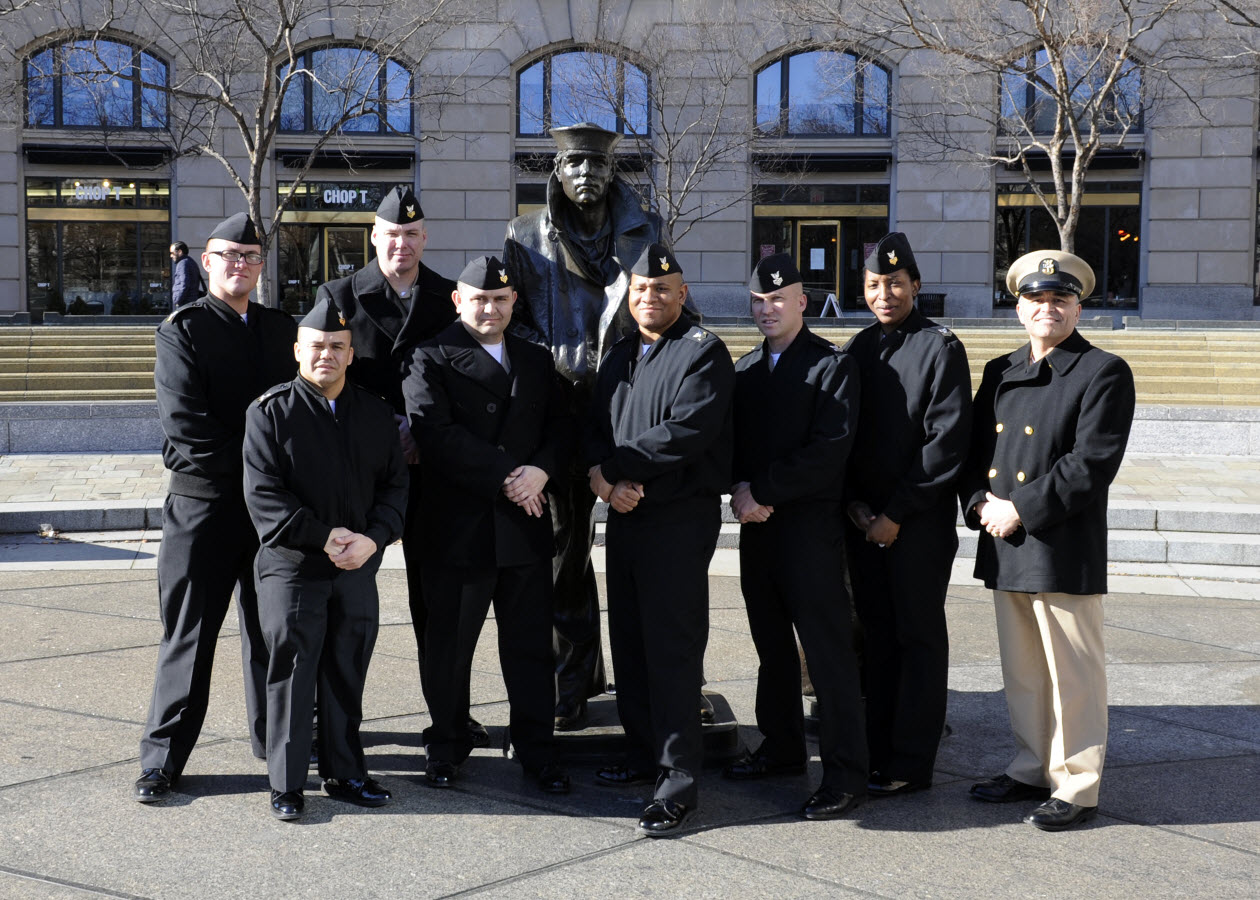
{"x":1173,"y":368}
{"x":92,"y":363}
{"x":1212,"y":367}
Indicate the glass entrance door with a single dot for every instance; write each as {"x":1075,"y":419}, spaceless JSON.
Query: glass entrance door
{"x":345,"y":250}
{"x":817,"y":256}
{"x":313,"y":254}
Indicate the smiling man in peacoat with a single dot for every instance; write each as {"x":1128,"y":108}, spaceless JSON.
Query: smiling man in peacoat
{"x":492,"y":421}
{"x":1051,"y":423}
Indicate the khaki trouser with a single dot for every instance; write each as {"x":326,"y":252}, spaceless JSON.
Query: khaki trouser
{"x":1053,"y":668}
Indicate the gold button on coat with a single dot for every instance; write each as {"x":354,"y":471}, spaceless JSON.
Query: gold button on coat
{"x":999,"y":428}
{"x":1027,"y":429}
{"x":1019,"y":476}
{"x":993,"y":473}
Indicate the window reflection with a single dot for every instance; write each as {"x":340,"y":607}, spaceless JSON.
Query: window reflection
{"x":582,"y":86}
{"x":95,"y":84}
{"x":1028,"y":103}
{"x":347,"y":88}
{"x":821,"y":92}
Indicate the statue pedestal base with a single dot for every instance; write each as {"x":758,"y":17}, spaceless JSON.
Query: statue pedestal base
{"x":603,"y":739}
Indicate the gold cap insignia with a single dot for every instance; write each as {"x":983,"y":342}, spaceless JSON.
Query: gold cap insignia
{"x":341,"y":318}
{"x":664,"y":264}
{"x":892,"y":257}
{"x":503,"y":276}
{"x":776,"y":278}
{"x":411,"y":211}
{"x":1048,"y":267}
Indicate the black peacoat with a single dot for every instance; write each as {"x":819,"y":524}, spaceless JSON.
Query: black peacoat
{"x":1049,"y":436}
{"x":474,"y":423}
{"x":383,"y":336}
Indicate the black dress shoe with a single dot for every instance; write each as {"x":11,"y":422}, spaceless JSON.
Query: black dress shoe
{"x":477,"y":733}
{"x":153,"y":785}
{"x":571,"y":718}
{"x":440,"y":774}
{"x":359,"y":791}
{"x":828,"y":804}
{"x":1056,"y":815}
{"x":661,"y":817}
{"x":1005,"y":789}
{"x":552,"y":779}
{"x":706,"y":709}
{"x":751,"y":766}
{"x":287,"y":806}
{"x":882,"y":786}
{"x":624,"y":776}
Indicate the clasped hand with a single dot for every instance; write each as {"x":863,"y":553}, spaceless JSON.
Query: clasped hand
{"x":348,"y":549}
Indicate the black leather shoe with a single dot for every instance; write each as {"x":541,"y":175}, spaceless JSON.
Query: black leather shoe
{"x":571,"y":718}
{"x":359,"y":791}
{"x":624,"y":776}
{"x":660,"y":817}
{"x":153,"y":785}
{"x":1005,"y":789}
{"x":1056,"y":815}
{"x":552,"y":779}
{"x":828,"y":804}
{"x":882,"y":786}
{"x":751,"y":766}
{"x":477,"y":733}
{"x":287,"y":806}
{"x":440,"y":774}
{"x":706,"y":709}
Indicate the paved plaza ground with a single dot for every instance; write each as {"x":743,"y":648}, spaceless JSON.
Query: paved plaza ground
{"x":1179,"y":814}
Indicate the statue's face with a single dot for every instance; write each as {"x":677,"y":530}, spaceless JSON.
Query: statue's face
{"x":585,"y":176}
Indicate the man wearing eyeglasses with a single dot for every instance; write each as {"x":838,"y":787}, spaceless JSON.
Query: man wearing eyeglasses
{"x":214,"y":357}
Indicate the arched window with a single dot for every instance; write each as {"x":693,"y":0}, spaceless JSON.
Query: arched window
{"x":350,"y":88}
{"x":95,"y":84}
{"x":823,"y":93}
{"x":581,"y":86}
{"x":1030,"y":92}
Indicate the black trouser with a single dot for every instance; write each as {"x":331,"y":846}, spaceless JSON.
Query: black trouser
{"x":579,"y":657}
{"x":658,"y":620}
{"x":792,"y":574}
{"x":899,"y":592}
{"x":413,"y":554}
{"x":320,"y":632}
{"x":207,"y":550}
{"x":459,"y":599}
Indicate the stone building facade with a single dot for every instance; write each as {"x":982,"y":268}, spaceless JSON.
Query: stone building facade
{"x":807,"y":161}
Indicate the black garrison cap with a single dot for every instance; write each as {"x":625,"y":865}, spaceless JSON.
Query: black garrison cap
{"x":325,"y":316}
{"x":655,"y":260}
{"x":773,"y":272}
{"x":239,"y":229}
{"x":891,"y":254}
{"x":486,"y":273}
{"x":400,"y":206}
{"x":585,"y":137}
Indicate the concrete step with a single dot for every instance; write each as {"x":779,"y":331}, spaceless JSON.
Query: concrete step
{"x":99,"y":381}
{"x":78,"y":366}
{"x":19,"y":395}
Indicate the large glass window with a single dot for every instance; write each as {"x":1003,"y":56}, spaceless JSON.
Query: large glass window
{"x":822,"y":92}
{"x":351,"y":86}
{"x":1029,"y":88}
{"x":582,"y":86}
{"x":97,"y":245}
{"x":95,"y":84}
{"x":1108,"y":237}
